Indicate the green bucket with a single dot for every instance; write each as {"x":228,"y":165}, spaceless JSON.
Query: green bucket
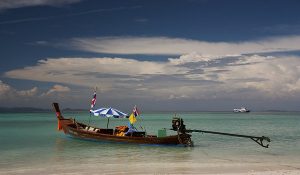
{"x":162,"y":133}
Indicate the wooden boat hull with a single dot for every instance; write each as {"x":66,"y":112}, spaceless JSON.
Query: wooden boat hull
{"x":67,"y":126}
{"x":78,"y":130}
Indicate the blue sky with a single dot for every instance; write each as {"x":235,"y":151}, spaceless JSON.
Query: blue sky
{"x":160,"y":55}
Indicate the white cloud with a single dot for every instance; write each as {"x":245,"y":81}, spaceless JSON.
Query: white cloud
{"x":4,"y":88}
{"x":93,"y":71}
{"x":172,"y":96}
{"x":6,"y":91}
{"x":30,"y":92}
{"x":189,"y":58}
{"x":271,"y":75}
{"x":10,"y":4}
{"x":180,"y":46}
{"x":251,"y":76}
{"x":57,"y":88}
{"x":194,"y":58}
{"x":11,"y":97}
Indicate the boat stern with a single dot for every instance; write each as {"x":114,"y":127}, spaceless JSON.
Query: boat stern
{"x":61,"y":121}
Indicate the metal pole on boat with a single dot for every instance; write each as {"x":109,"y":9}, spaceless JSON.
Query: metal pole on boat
{"x":258,"y":140}
{"x":90,"y":118}
{"x":107,"y":123}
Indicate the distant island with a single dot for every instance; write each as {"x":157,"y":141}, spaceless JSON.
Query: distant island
{"x":33,"y":110}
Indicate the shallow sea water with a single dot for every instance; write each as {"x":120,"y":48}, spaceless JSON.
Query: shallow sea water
{"x":30,"y":144}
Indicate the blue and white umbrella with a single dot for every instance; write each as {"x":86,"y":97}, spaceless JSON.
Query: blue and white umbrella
{"x":108,"y":112}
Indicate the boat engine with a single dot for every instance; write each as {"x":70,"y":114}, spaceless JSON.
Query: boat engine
{"x":177,"y":125}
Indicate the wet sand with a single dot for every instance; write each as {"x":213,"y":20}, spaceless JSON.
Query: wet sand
{"x":160,"y":168}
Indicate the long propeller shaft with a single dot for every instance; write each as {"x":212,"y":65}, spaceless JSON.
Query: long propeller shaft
{"x":258,"y":140}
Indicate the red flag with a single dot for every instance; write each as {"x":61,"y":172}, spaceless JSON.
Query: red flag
{"x":93,"y":102}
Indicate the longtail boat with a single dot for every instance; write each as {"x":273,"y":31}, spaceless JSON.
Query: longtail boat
{"x":79,"y":130}
{"x":83,"y":131}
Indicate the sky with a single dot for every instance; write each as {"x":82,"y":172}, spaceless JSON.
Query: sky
{"x":171,"y":55}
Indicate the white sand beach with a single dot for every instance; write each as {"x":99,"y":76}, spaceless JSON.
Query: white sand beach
{"x":159,"y":168}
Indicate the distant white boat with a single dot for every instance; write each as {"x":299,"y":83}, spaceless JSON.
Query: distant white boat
{"x":242,"y":109}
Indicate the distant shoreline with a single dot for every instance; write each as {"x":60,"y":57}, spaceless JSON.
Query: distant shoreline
{"x":34,"y":110}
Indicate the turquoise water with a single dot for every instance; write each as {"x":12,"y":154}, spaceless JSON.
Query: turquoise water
{"x":30,"y":144}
